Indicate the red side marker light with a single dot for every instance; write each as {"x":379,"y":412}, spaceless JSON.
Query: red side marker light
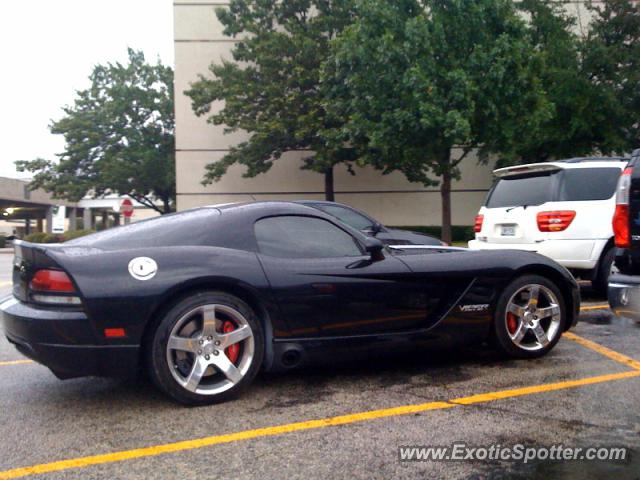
{"x":114,"y":332}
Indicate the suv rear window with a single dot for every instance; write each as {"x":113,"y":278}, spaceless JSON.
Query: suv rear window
{"x":531,"y":189}
{"x":572,"y":185}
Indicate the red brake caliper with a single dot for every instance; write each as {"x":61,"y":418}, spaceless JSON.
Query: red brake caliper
{"x":234,"y":350}
{"x":512,"y":323}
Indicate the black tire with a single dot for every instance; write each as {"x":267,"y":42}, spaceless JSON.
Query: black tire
{"x":162,"y":374}
{"x":603,"y":270}
{"x":500,"y":335}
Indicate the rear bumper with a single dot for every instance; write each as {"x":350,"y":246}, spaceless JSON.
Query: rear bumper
{"x":575,"y":254}
{"x":64,"y":342}
{"x":624,"y":295}
{"x":628,"y":260}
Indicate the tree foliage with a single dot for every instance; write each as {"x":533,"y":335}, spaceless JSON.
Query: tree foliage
{"x":119,"y":137}
{"x":586,"y":112}
{"x":272,"y":88}
{"x":611,"y":58}
{"x":413,"y":79}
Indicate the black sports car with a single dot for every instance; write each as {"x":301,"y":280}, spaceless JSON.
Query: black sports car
{"x":371,"y":227}
{"x":204,"y":299}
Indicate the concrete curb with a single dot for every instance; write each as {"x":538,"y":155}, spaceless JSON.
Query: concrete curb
{"x":6,"y":250}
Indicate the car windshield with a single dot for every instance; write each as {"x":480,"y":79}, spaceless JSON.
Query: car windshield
{"x":569,"y":185}
{"x":346,"y":215}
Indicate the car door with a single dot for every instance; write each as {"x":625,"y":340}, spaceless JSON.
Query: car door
{"x":327,"y":285}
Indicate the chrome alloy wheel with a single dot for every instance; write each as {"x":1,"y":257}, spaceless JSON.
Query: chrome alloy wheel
{"x":210,"y":349}
{"x":533,"y":317}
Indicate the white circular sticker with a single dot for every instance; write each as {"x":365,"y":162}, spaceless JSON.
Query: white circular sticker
{"x":143,"y":268}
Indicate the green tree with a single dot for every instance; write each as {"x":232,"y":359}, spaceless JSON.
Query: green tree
{"x":586,"y":114}
{"x":272,"y":88}
{"x":611,"y":58}
{"x":119,"y":137}
{"x":422,"y":83}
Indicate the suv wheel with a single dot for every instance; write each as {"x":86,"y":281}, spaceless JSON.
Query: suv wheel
{"x":605,"y":268}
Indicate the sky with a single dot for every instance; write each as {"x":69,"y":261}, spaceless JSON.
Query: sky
{"x":48,"y":49}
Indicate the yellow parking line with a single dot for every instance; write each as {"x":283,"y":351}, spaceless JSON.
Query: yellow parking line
{"x":15,"y":362}
{"x":547,"y":387}
{"x":155,"y":450}
{"x":607,"y":352}
{"x":604,"y":306}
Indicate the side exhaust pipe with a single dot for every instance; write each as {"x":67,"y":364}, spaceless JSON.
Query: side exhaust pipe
{"x":291,"y":355}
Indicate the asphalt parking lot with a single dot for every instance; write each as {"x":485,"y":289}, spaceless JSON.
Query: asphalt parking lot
{"x":342,"y":421}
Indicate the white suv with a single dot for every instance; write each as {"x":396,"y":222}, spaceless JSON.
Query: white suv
{"x":560,"y":209}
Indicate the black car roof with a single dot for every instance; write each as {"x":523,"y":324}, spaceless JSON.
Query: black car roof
{"x":200,"y":226}
{"x":265,"y":207}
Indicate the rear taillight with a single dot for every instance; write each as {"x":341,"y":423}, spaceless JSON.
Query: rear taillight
{"x":555,"y":221}
{"x":621,"y":226}
{"x":51,"y":281}
{"x":53,"y":287}
{"x":621,"y":215}
{"x":477,"y":227}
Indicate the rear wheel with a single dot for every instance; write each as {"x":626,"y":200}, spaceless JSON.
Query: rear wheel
{"x":604,"y":270}
{"x":206,"y":349}
{"x":530,"y":317}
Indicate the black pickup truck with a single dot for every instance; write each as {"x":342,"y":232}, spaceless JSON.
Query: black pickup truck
{"x":624,"y":287}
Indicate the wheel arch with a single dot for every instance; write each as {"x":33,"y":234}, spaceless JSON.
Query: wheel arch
{"x":565,"y":286}
{"x":244,"y":292}
{"x":610,"y":244}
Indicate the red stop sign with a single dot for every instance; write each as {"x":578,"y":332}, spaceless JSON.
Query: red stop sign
{"x":126,"y":207}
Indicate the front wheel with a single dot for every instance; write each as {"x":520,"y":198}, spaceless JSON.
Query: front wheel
{"x":206,"y":349}
{"x":530,"y":317}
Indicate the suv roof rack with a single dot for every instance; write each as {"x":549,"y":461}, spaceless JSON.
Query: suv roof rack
{"x":593,"y":159}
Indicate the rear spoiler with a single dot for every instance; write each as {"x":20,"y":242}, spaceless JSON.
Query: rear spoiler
{"x":50,"y":254}
{"x":28,"y":258}
{"x":21,"y":247}
{"x":530,"y":168}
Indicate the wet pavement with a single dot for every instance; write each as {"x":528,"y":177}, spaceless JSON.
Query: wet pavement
{"x":45,"y":420}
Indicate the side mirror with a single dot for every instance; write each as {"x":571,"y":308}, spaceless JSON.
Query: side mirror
{"x":376,"y":228}
{"x":374,"y":247}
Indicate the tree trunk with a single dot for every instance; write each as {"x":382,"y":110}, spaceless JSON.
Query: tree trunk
{"x":445,"y":194}
{"x":329,"y":194}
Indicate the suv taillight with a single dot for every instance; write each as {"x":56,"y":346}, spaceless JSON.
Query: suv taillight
{"x":477,"y":227}
{"x":555,"y":221}
{"x":53,"y":287}
{"x":621,"y":215}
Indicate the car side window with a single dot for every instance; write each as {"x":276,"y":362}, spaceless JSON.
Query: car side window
{"x":303,"y":237}
{"x":582,"y":184}
{"x":348,"y":216}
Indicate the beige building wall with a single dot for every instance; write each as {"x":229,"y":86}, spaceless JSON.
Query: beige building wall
{"x":390,"y":198}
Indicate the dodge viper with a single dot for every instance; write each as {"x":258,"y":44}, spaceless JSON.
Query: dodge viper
{"x":203,"y":299}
